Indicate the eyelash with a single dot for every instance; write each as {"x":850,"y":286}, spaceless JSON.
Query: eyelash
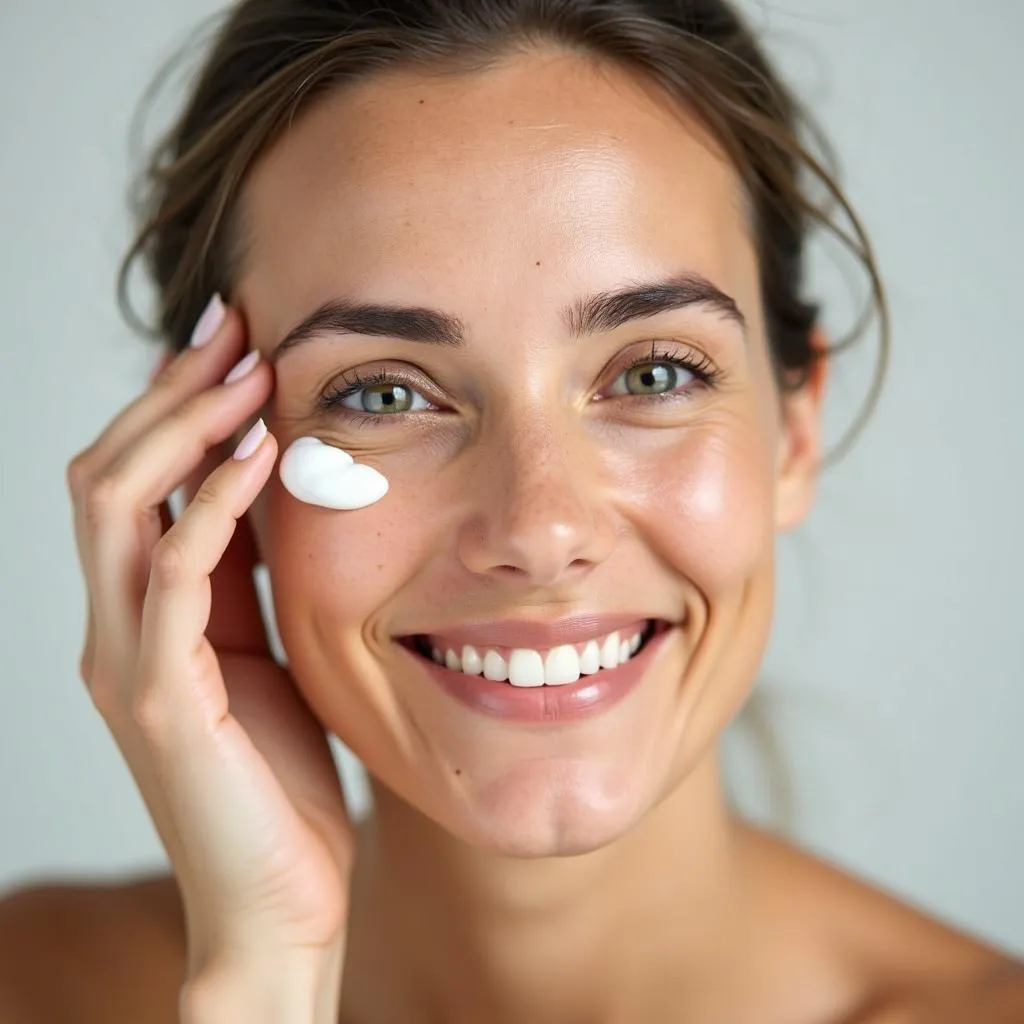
{"x":698,"y":365}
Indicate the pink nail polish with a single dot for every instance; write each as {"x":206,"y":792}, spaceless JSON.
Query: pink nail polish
{"x":252,"y":440}
{"x":243,"y":366}
{"x":206,"y":326}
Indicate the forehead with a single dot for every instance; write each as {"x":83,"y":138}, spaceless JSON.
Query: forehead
{"x":457,"y":189}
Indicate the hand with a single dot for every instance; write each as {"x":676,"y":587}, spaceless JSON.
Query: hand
{"x":234,"y":768}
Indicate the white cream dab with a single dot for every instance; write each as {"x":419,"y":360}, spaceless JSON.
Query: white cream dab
{"x":320,"y":474}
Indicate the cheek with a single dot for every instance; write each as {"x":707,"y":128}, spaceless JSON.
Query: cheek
{"x":337,"y":567}
{"x":706,"y":504}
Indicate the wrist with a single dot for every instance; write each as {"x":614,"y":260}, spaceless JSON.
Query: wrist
{"x":286,"y":988}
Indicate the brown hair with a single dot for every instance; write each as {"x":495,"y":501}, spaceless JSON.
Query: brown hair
{"x":272,"y":58}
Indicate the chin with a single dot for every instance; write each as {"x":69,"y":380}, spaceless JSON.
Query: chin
{"x":552,"y":808}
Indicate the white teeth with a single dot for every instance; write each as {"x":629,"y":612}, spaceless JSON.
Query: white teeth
{"x":471,"y":663}
{"x":610,"y":651}
{"x":561,"y":666}
{"x":495,"y":667}
{"x":590,"y":659}
{"x":525,"y":668}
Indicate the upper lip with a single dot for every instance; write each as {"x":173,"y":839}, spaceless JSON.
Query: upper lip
{"x":571,"y":629}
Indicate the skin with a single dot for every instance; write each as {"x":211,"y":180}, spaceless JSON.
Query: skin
{"x":504,"y":862}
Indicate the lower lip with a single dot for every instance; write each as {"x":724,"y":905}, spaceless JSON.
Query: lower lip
{"x":569,"y":702}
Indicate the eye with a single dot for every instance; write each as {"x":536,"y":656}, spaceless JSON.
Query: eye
{"x":651,"y":378}
{"x":380,"y":395}
{"x":384,"y":398}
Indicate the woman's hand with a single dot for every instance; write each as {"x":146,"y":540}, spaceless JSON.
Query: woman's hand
{"x":234,"y":768}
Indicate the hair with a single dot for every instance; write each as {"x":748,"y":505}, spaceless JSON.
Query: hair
{"x":271,"y":59}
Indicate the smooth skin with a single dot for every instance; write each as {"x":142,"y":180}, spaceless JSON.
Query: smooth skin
{"x":590,"y":873}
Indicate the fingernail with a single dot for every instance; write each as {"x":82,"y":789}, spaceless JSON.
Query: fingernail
{"x":206,"y":326}
{"x":243,"y":366}
{"x":252,"y":440}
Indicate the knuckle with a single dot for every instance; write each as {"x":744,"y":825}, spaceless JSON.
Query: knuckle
{"x":85,"y":666}
{"x":78,"y":471}
{"x":169,"y":561}
{"x":100,"y":684}
{"x":207,"y":495}
{"x":149,"y":713}
{"x":182,"y":418}
{"x":168,"y":375}
{"x":101,"y":498}
{"x":102,"y":692}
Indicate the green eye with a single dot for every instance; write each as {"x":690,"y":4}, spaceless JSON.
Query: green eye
{"x":385,"y":398}
{"x":382,"y":398}
{"x":649,"y":379}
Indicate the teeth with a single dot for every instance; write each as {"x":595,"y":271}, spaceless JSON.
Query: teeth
{"x":590,"y":659}
{"x":471,"y":663}
{"x":525,"y":667}
{"x":610,"y":651}
{"x":495,"y":667}
{"x":561,"y":666}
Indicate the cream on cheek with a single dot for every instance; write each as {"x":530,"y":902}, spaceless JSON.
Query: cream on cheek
{"x":320,"y":474}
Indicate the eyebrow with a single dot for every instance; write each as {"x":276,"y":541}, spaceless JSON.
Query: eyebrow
{"x":597,"y":313}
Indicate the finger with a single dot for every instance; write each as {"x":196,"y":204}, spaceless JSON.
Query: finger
{"x":166,"y":358}
{"x":120,"y":519}
{"x":87,"y":658}
{"x":180,"y":691}
{"x":190,"y":372}
{"x":177,"y":604}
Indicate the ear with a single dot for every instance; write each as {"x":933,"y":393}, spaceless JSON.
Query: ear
{"x":799,"y":452}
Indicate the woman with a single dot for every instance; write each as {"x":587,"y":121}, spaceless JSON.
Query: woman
{"x":535,"y":265}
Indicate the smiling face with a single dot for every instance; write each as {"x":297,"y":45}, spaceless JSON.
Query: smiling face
{"x":550,"y":456}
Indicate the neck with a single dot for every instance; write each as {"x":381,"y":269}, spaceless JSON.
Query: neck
{"x":442,"y":931}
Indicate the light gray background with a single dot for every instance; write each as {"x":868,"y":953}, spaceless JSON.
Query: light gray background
{"x":894,"y":681}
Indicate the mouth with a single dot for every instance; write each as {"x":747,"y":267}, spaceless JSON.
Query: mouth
{"x":530,"y":667}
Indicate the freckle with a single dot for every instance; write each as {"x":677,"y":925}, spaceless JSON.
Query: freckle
{"x":380,"y":568}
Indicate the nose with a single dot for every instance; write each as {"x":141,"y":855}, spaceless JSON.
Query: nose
{"x":539,"y":513}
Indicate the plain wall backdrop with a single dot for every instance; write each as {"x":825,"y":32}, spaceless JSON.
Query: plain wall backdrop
{"x":895,"y":678}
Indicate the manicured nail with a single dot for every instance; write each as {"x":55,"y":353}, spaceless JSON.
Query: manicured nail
{"x":252,"y":440}
{"x":243,"y":366}
{"x":206,"y":326}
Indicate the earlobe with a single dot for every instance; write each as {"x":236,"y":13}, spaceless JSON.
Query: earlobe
{"x":799,"y":452}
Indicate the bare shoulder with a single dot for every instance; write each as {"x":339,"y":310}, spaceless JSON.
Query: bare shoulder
{"x":907,"y":966}
{"x":993,"y":997}
{"x":106,"y":952}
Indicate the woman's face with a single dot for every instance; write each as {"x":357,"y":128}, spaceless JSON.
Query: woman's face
{"x":551,"y":456}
